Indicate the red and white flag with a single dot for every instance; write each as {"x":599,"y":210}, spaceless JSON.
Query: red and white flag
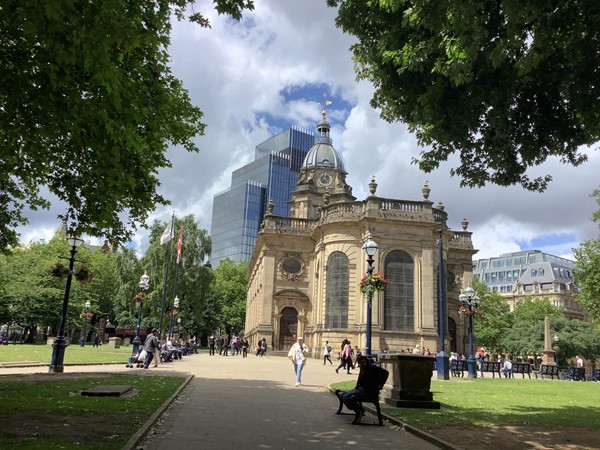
{"x":179,"y":247}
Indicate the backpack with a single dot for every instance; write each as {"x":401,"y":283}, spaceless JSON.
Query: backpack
{"x":328,"y":348}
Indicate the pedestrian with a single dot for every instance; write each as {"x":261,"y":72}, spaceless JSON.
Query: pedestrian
{"x":264,"y":347}
{"x":150,"y":346}
{"x":245,"y":345}
{"x":96,"y":340}
{"x":297,"y":355}
{"x":211,"y":345}
{"x":346,"y":361}
{"x":327,"y":353}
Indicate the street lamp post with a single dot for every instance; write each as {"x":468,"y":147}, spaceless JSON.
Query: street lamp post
{"x":555,"y":348}
{"x":441,"y":359}
{"x":144,"y":284}
{"x":84,"y":318}
{"x":60,"y":343}
{"x":370,"y":248}
{"x":174,"y":309}
{"x":471,"y":301}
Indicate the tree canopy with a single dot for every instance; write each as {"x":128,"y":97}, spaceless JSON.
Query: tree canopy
{"x":505,"y":84}
{"x":88,"y":107}
{"x":587,"y":269}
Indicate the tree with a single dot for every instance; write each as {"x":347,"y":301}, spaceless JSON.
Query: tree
{"x":587,"y":269}
{"x":523,"y":77}
{"x":88,"y":107}
{"x":576,"y":338}
{"x":496,"y":320}
{"x":229,"y":291}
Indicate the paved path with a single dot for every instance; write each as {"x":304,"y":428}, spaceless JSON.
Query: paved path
{"x":235,"y":403}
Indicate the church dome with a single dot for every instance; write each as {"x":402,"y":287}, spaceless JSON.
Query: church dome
{"x":322,"y":154}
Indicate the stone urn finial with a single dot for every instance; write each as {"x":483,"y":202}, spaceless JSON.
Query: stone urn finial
{"x":440,"y":206}
{"x":373,"y":185}
{"x":426,"y":190}
{"x":326,"y":197}
{"x":465,"y":224}
{"x":270,"y":207}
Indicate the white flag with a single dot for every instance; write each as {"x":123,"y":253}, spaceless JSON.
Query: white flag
{"x":167,"y":234}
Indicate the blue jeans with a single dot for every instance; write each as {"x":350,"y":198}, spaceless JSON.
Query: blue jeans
{"x":298,"y":367}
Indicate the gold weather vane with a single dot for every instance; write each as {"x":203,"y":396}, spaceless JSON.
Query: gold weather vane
{"x":325,"y":103}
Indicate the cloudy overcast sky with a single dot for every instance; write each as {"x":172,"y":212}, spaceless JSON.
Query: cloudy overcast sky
{"x":256,"y":78}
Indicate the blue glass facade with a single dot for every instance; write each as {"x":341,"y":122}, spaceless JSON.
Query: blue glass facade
{"x":238,"y":211}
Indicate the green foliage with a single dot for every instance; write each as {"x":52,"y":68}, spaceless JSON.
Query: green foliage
{"x":587,"y":269}
{"x":513,"y":70}
{"x":526,"y":337}
{"x":575,"y":338}
{"x":88,"y":107}
{"x":496,"y":320}
{"x":228,"y":297}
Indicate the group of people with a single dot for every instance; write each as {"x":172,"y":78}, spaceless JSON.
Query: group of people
{"x":348,"y":356}
{"x":225,"y":343}
{"x":169,"y":349}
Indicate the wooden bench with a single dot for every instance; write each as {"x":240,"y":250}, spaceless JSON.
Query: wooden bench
{"x":522,"y":368}
{"x":458,"y":367}
{"x":490,"y":366}
{"x":382,"y":376}
{"x":549,"y":370}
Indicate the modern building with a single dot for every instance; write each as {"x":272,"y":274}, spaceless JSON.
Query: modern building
{"x":238,"y":211}
{"x":303,"y":278}
{"x":519,"y":275}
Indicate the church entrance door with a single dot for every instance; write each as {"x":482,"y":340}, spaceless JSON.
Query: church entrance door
{"x":288,"y":327}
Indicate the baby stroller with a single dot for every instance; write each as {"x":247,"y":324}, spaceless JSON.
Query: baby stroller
{"x":137,"y":359}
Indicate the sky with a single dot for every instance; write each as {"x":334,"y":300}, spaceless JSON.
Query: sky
{"x":272,"y":70}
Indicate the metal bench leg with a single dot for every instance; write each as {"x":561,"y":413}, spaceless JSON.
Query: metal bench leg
{"x":379,"y":416}
{"x":338,"y":394}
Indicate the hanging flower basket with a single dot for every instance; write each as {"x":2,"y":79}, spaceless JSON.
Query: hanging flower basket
{"x":375,"y":283}
{"x":59,"y":270}
{"x":464,"y":311}
{"x":140,"y":297}
{"x":86,"y":315}
{"x":83,"y":274}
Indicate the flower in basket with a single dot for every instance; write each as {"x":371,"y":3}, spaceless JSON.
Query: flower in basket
{"x":59,"y":270}
{"x":464,"y":311}
{"x":83,"y":274}
{"x":140,"y":297}
{"x":86,"y":315}
{"x":375,"y":283}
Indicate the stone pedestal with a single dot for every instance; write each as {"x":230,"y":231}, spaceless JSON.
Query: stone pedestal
{"x":114,"y":342}
{"x":126,"y":342}
{"x":411,"y":380}
{"x":50,"y":340}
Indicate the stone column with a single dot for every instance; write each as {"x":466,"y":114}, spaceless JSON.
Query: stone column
{"x":548,"y":353}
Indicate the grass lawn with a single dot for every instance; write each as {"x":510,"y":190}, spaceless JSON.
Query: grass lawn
{"x":47,"y":411}
{"x":497,"y":402}
{"x":74,"y":354}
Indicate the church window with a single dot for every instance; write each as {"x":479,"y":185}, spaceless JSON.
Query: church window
{"x":399,"y":293}
{"x":338,"y":280}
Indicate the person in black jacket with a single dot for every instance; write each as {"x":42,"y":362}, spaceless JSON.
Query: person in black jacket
{"x":367,"y":387}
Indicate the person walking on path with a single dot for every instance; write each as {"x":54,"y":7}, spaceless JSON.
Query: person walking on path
{"x":297,"y":355}
{"x":346,"y":360}
{"x":150,"y":346}
{"x":327,"y":353}
{"x":211,"y":345}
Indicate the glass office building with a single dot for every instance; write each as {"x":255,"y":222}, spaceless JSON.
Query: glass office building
{"x":238,"y":211}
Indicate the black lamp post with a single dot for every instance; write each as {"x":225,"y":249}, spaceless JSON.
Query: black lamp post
{"x":174,"y":308}
{"x":470,"y":300}
{"x":84,"y":318}
{"x":60,"y":343}
{"x":370,"y":248}
{"x":144,"y":284}
{"x":442,"y":362}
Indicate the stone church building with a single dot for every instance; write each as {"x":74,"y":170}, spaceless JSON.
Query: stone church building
{"x":303,"y":278}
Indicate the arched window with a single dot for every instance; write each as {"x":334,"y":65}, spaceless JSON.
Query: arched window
{"x":399,"y":295}
{"x":336,"y":300}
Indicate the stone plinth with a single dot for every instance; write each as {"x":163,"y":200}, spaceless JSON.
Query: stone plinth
{"x":50,"y":340}
{"x":411,"y":380}
{"x":126,"y":342}
{"x":114,"y":342}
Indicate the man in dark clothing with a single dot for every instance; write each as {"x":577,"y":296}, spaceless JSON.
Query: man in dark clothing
{"x":367,"y":387}
{"x":150,"y":346}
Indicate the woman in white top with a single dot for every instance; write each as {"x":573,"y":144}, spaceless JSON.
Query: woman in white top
{"x":297,"y":355}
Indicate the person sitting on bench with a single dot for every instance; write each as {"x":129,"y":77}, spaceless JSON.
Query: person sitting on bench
{"x":367,"y":388}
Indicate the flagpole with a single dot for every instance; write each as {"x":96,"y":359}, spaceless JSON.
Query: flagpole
{"x":164,"y":295}
{"x":179,"y":243}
